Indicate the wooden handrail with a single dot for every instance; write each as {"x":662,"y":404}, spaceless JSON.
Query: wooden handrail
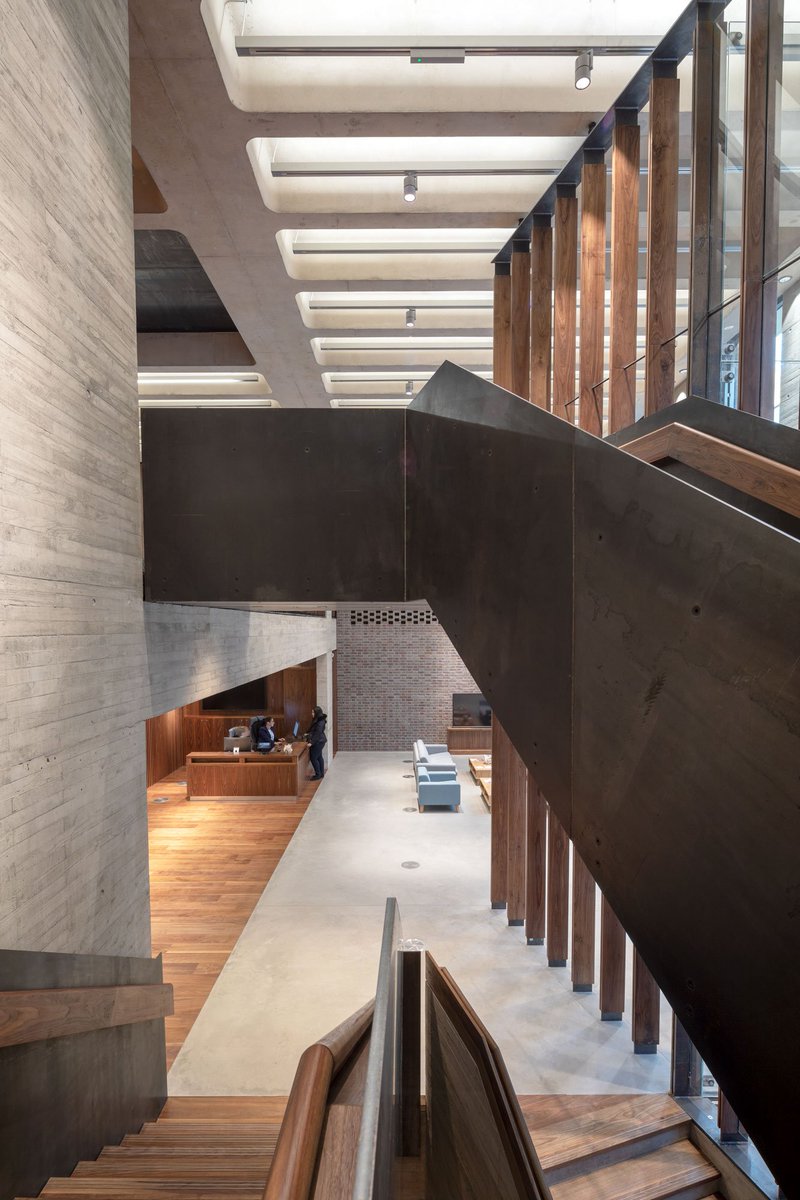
{"x":294,"y":1162}
{"x":772,"y":482}
{"x":342,"y":1040}
{"x":34,"y":1015}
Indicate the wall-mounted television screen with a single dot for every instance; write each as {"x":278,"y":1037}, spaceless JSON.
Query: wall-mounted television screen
{"x":246,"y":698}
{"x":471,"y":708}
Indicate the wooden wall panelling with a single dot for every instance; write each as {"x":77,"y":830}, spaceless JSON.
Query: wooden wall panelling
{"x":612,"y":964}
{"x":662,"y":237}
{"x":520,"y":318}
{"x":299,"y":696}
{"x":593,"y":291}
{"x":501,"y":341}
{"x":517,"y":846}
{"x":541,"y":309}
{"x":625,"y":153}
{"x":164,"y":745}
{"x":565,"y":290}
{"x":557,"y":892}
{"x":646,"y":1008}
{"x":499,"y":847}
{"x":583,"y":925}
{"x":536,"y":866}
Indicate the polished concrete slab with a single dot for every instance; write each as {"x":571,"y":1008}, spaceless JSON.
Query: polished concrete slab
{"x":308,"y":955}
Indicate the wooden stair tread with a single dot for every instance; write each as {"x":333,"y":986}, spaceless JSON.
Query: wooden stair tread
{"x":151,"y":1189}
{"x":219,"y":1109}
{"x":134,"y":1153}
{"x":646,"y":1177}
{"x":568,"y":1133}
{"x":251,"y":1169}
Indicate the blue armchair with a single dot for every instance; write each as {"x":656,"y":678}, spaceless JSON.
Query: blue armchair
{"x":438,"y":790}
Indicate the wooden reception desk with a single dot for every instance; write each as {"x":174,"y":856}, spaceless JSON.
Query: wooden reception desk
{"x":223,"y":775}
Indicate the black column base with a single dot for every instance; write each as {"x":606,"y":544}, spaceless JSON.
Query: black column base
{"x":516,"y":921}
{"x":645,"y":1048}
{"x":609,"y":1016}
{"x":556,"y":962}
{"x":582,"y":987}
{"x":535,"y":941}
{"x":498,"y":904}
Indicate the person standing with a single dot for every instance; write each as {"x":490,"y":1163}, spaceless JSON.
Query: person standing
{"x":317,"y":741}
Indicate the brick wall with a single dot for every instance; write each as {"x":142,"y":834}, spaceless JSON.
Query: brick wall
{"x":397,"y":671}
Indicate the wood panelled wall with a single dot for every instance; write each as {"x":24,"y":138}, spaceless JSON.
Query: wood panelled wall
{"x":164,"y":739}
{"x":289,"y":696}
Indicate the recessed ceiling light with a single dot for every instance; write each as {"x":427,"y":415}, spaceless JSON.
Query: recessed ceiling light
{"x":583,"y":70}
{"x":411,"y":318}
{"x":410,"y":188}
{"x":784,"y":279}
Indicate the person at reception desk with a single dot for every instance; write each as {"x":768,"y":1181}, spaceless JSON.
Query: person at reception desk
{"x":262,"y":734}
{"x":317,"y":740}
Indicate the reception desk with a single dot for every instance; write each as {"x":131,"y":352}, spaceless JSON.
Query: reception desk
{"x":223,"y":775}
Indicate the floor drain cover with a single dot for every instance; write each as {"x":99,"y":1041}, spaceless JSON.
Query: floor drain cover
{"x":160,"y":799}
{"x":408,"y":777}
{"x":410,"y":865}
{"x":412,"y":809}
{"x":408,"y":760}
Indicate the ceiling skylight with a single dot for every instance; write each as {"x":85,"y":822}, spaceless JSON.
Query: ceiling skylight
{"x":386,"y":383}
{"x":409,"y":351}
{"x":364,"y":82}
{"x":454,"y":174}
{"x":387,"y":310}
{"x":390,"y":253}
{"x":202,"y":383}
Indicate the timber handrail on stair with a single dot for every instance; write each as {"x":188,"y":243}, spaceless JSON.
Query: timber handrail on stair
{"x":772,"y":482}
{"x":292,"y":1173}
{"x":37,"y":1014}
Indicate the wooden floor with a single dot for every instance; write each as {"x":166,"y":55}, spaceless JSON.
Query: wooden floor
{"x":210,"y":860}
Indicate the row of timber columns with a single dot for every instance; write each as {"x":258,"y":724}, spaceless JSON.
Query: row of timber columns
{"x":536,"y":308}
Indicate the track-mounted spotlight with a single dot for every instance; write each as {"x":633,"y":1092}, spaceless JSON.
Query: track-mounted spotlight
{"x":410,"y":187}
{"x":411,"y":318}
{"x":410,"y":388}
{"x":583,"y":69}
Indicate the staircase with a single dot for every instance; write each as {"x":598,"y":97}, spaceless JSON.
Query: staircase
{"x":617,"y":1148}
{"x":220,"y":1148}
{"x":200,"y":1148}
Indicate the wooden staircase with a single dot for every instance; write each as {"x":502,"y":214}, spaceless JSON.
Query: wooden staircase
{"x":617,"y":1148}
{"x":627,"y":1147}
{"x":200,"y":1148}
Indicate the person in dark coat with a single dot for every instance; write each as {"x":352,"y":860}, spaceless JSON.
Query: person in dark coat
{"x":262,"y":734}
{"x":317,"y":740}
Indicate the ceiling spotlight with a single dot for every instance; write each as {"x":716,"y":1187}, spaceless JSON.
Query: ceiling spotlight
{"x":410,"y":388}
{"x":583,"y":69}
{"x":410,"y":187}
{"x":411,"y":318}
{"x":784,"y":279}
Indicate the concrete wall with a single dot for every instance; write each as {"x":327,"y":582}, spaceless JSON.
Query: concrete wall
{"x":81,"y":664}
{"x":397,"y":671}
{"x":73,"y":854}
{"x":194,"y":652}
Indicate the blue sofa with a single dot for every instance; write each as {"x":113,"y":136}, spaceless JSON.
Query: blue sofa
{"x":437,"y":789}
{"x":434,"y":757}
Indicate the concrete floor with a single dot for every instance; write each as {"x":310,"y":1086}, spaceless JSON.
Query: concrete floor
{"x":308,"y":955}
